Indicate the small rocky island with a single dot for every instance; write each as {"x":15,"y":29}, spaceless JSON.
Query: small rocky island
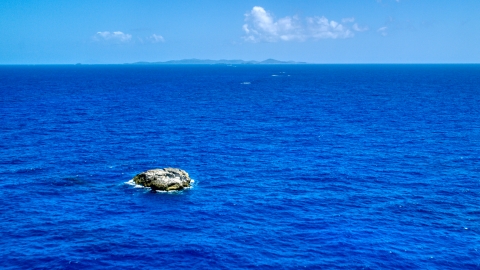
{"x":166,"y":179}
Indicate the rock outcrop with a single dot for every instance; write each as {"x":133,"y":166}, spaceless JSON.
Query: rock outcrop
{"x":163,"y":179}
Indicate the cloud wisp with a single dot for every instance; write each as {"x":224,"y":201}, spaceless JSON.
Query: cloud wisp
{"x":119,"y":37}
{"x":357,"y":28}
{"x":116,"y":36}
{"x":321,"y":28}
{"x":383,"y":31}
{"x":261,"y":26}
{"x":156,"y":38}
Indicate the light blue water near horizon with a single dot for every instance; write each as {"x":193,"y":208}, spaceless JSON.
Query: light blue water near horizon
{"x":295,"y":166}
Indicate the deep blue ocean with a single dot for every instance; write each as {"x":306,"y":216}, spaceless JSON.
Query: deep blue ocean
{"x":295,"y":166}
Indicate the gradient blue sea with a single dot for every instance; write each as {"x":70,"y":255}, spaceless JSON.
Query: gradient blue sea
{"x":295,"y":166}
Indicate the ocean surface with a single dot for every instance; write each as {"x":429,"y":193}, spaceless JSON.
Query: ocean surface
{"x":295,"y":167}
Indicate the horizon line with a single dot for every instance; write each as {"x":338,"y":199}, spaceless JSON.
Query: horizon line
{"x":144,"y":63}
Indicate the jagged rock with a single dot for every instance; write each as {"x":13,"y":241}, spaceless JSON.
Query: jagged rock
{"x":163,"y":179}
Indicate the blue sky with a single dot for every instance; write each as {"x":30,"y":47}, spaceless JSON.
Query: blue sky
{"x":317,"y":31}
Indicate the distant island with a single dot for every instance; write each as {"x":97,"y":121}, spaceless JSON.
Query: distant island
{"x":218,"y":62}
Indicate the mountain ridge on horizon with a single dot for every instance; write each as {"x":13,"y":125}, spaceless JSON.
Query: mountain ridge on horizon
{"x":194,"y":61}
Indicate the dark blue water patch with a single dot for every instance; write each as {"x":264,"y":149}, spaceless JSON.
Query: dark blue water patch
{"x":334,"y":166}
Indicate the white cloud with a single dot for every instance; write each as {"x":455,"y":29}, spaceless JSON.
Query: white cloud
{"x":116,"y":36}
{"x":321,"y":27}
{"x":357,"y":28}
{"x":260,"y":25}
{"x":383,"y":30}
{"x":156,"y":38}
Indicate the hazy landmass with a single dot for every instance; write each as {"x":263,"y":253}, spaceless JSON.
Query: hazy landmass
{"x":218,"y":62}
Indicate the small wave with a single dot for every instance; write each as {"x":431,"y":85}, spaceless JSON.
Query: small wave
{"x":132,"y":183}
{"x":274,"y":75}
{"x":245,"y":83}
